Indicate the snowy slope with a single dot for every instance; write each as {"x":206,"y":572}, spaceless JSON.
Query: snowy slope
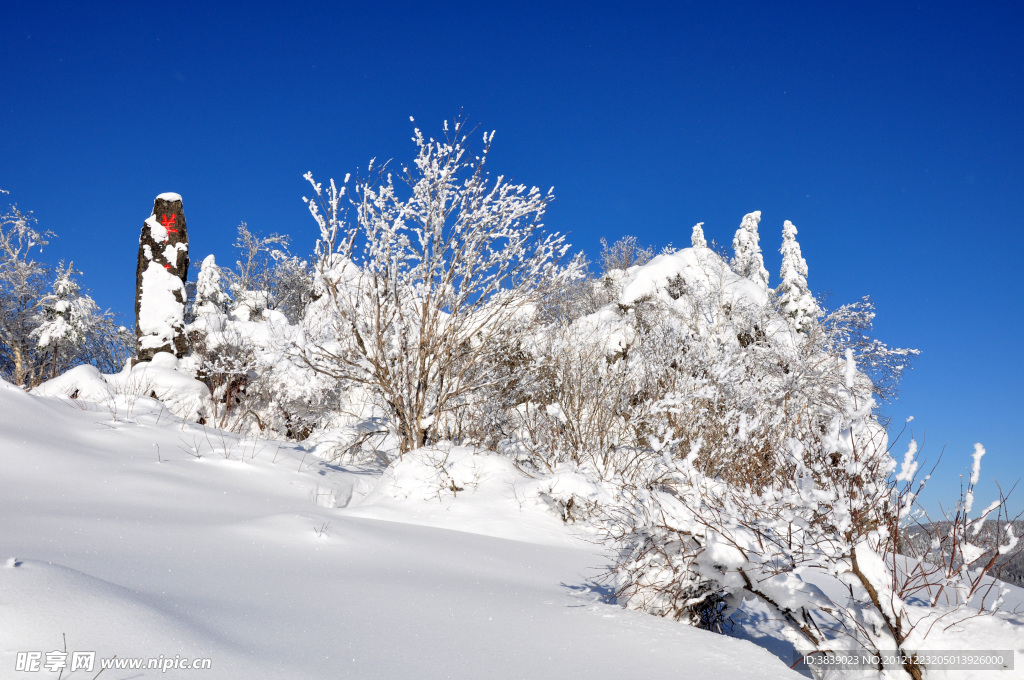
{"x":127,"y":543}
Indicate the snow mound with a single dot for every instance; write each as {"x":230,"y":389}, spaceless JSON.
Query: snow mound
{"x":159,"y":379}
{"x":464,"y":489}
{"x":45,"y":604}
{"x":151,"y":537}
{"x":667,"y":276}
{"x":81,"y":382}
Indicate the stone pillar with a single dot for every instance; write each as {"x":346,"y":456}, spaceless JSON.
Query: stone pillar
{"x":160,"y":280}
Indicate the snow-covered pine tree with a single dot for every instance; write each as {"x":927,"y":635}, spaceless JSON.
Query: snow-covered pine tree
{"x":67,"y":316}
{"x":795,"y":300}
{"x":73,"y":331}
{"x":697,"y":239}
{"x":211,"y":300}
{"x":747,"y":259}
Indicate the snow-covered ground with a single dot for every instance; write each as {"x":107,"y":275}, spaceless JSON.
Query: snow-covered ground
{"x":148,"y":538}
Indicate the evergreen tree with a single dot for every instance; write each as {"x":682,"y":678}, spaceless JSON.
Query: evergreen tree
{"x":72,"y":330}
{"x":65,"y":311}
{"x":211,"y":299}
{"x":795,"y":299}
{"x":697,"y":239}
{"x":747,"y":259}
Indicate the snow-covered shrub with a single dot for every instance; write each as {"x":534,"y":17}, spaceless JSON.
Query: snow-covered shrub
{"x":577,"y":408}
{"x":688,"y":351}
{"x":268,"y":276}
{"x":257,"y":384}
{"x":658,"y":568}
{"x":440,"y":262}
{"x":623,"y":254}
{"x":848,"y":328}
{"x":241,"y":344}
{"x":690,"y":539}
{"x":952,"y":565}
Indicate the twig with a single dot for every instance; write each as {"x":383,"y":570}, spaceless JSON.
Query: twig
{"x":103,"y":669}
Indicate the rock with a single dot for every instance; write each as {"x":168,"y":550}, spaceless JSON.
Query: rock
{"x":160,"y":280}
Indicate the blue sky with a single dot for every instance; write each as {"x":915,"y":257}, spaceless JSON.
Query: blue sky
{"x":889,"y":133}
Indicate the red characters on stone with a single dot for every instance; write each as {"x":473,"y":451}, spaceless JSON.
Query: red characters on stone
{"x":168,"y":221}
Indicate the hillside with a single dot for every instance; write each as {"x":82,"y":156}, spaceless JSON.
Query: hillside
{"x":412,"y":457}
{"x":149,"y":537}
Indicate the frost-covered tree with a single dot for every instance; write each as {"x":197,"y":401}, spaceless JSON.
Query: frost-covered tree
{"x":267,"y":276}
{"x":697,"y":238}
{"x":441,"y":266}
{"x":68,"y":317}
{"x":47,"y":322}
{"x":747,"y":259}
{"x":210,"y":299}
{"x":23,"y":282}
{"x":623,"y":254}
{"x":794,"y":298}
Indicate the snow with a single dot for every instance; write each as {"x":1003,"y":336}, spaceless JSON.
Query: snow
{"x":158,"y":232}
{"x":127,"y":543}
{"x":699,"y":268}
{"x":160,"y":311}
{"x":171,"y":252}
{"x":132,"y":529}
{"x":697,"y":239}
{"x":153,"y":380}
{"x":81,"y":382}
{"x":169,"y":196}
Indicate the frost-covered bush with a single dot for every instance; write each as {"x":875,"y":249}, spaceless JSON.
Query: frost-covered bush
{"x":687,"y":351}
{"x":623,"y":254}
{"x":576,"y":408}
{"x":440,"y":265}
{"x":267,"y":276}
{"x":821,"y":550}
{"x":241,"y":347}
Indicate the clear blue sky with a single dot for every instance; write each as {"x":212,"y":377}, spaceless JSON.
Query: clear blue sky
{"x":889,"y":133}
